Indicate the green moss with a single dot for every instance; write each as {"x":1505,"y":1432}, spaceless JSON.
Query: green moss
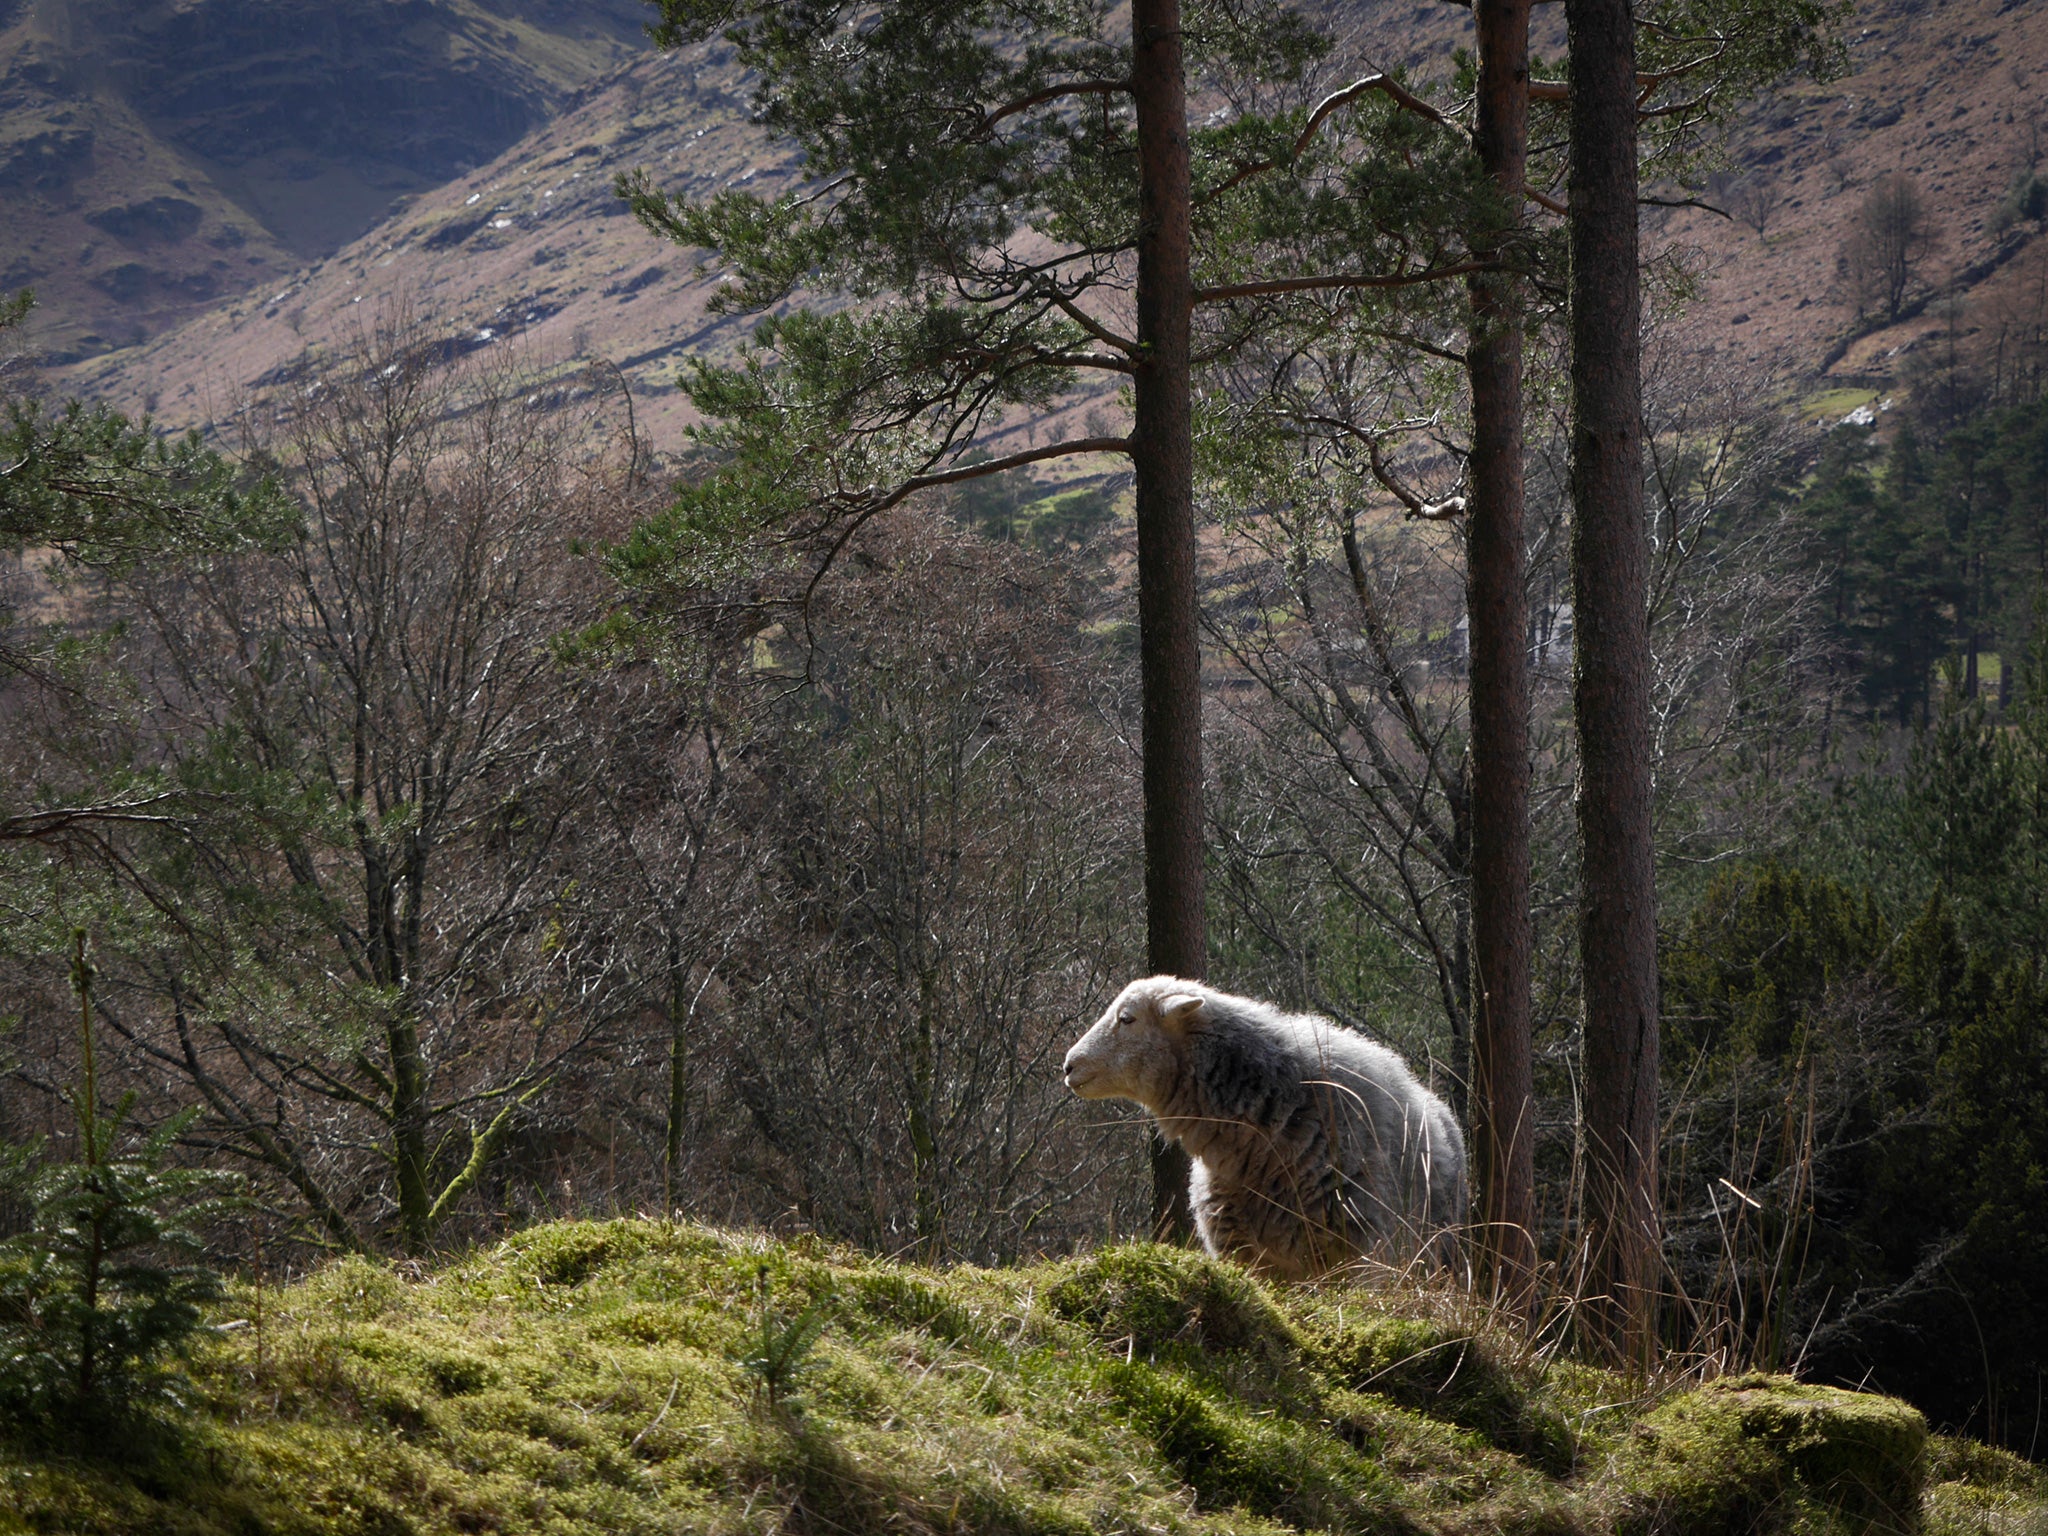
{"x":1974,"y":1490}
{"x":585,"y":1378}
{"x":1265,"y":1463}
{"x":1768,"y":1453}
{"x":1171,"y":1304}
{"x":1955,"y":1459}
{"x":904,"y":1300}
{"x":355,"y":1289}
{"x":1957,"y":1509}
{"x":569,"y":1253}
{"x":1448,"y":1372}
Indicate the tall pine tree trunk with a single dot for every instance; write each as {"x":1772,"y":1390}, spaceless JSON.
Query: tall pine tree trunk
{"x":1611,"y":674}
{"x":1162,"y":459}
{"x":1503,"y":1130}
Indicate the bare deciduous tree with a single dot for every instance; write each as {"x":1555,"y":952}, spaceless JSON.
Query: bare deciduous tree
{"x":679,"y":889}
{"x":1347,"y":779}
{"x":1738,"y":695}
{"x":2012,"y":328}
{"x":1344,"y":777}
{"x":1892,"y":234}
{"x":947,"y":891}
{"x":367,"y":964}
{"x":1755,"y":200}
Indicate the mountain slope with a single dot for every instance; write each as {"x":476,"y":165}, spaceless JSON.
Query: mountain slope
{"x":1946,"y":91}
{"x":533,"y":249}
{"x":535,"y":245}
{"x":157,"y":156}
{"x":534,"y":242}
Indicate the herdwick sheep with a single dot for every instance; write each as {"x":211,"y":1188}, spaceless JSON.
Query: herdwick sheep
{"x":1311,"y":1144}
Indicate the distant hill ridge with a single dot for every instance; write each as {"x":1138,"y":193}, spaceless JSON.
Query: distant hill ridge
{"x":532,"y":243}
{"x":533,"y":249}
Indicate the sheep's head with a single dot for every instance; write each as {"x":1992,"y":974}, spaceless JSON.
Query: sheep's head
{"x":1134,"y":1050}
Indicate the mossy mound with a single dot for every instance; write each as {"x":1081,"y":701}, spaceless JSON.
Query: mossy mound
{"x":1447,"y":1372}
{"x":1765,"y":1453}
{"x":618,"y":1378}
{"x":1171,"y":1305}
{"x":1973,"y":1490}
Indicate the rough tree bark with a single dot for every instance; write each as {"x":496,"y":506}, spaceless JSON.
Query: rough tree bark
{"x":1610,"y":566}
{"x":1162,"y":458}
{"x":1497,"y":605}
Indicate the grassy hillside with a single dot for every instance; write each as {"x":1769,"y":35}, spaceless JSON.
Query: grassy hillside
{"x":619,"y":1378}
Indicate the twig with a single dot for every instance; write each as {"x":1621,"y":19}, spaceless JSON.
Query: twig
{"x":673,"y":1387}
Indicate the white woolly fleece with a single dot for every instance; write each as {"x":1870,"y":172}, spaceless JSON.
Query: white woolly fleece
{"x":1312,"y":1144}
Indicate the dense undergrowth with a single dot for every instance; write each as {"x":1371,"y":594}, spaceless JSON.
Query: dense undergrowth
{"x":632,"y":1377}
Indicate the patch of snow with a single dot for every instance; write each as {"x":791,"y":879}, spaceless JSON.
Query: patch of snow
{"x":1862,"y":416}
{"x":474,"y":197}
{"x":501,"y":223}
{"x":486,"y":334}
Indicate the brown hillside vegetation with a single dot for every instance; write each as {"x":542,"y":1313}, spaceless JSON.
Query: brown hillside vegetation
{"x":533,"y":243}
{"x":158,"y":157}
{"x":533,"y":246}
{"x":1946,"y":92}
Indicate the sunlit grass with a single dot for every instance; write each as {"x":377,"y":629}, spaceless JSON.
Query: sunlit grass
{"x":1833,"y":404}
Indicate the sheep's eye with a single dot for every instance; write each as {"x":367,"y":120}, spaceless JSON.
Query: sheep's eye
{"x":1127,"y":1017}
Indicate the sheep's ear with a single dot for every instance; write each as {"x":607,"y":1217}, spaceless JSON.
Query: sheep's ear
{"x":1179,"y":1008}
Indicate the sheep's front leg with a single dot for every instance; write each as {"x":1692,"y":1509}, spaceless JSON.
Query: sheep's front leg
{"x":1218,"y":1216}
{"x":1241,"y":1223}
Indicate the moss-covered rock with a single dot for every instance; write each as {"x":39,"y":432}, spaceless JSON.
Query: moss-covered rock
{"x":1766,"y":1453}
{"x":1268,"y":1463}
{"x":1976,"y":1490}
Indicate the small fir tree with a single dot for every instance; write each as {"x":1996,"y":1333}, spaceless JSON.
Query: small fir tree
{"x":108,"y":1282}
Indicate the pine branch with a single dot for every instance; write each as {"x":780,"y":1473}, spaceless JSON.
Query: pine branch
{"x":1051,"y":93}
{"x":1341,"y":280}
